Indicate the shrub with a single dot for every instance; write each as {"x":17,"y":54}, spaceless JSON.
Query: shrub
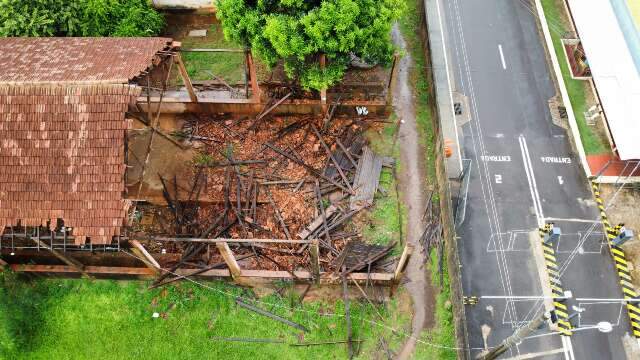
{"x":79,"y":18}
{"x":298,"y":31}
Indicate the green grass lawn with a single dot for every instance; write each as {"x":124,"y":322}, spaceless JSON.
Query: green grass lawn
{"x":385,"y":220}
{"x":100,"y":319}
{"x":200,"y":65}
{"x":592,"y":142}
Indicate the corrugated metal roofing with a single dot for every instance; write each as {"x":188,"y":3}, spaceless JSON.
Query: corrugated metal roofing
{"x":76,"y":60}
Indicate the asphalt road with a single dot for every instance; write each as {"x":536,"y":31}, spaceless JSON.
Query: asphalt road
{"x":522,"y":174}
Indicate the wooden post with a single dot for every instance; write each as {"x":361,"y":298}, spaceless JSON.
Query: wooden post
{"x":227,"y":254}
{"x":144,"y":256}
{"x":255,"y":88}
{"x":392,"y":76}
{"x":404,"y":260}
{"x":185,"y":77}
{"x":323,"y":92}
{"x":315,"y":260}
{"x":67,"y":260}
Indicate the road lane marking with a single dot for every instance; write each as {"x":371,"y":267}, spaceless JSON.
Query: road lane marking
{"x":555,"y":160}
{"x":496,"y":158}
{"x":504,"y":64}
{"x":555,"y":219}
{"x":560,"y":180}
{"x":479,"y":149}
{"x":536,"y":354}
{"x":498,"y":179}
{"x":533,"y":187}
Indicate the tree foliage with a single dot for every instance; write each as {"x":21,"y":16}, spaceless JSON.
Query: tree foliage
{"x":79,"y":18}
{"x":298,"y":31}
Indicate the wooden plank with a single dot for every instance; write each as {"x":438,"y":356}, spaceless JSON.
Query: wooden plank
{"x":226,"y":240}
{"x":185,"y":78}
{"x":67,"y":260}
{"x":276,"y":211}
{"x":404,"y":260}
{"x":267,"y":111}
{"x":145,"y":254}
{"x":323,"y":92}
{"x":253,"y":78}
{"x":383,"y":278}
{"x":366,"y":180}
{"x":333,"y":158}
{"x":227,"y":254}
{"x":307,"y":167}
{"x":314,"y":254}
{"x":195,"y":272}
{"x":315,"y":224}
{"x":107,"y":270}
{"x":347,"y":312}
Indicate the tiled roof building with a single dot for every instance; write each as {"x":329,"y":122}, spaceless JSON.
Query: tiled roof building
{"x":62,"y":131}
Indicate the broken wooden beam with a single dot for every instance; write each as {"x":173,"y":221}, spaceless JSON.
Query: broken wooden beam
{"x":67,"y":260}
{"x":195,"y":272}
{"x":144,"y":256}
{"x":333,"y":159}
{"x":366,"y":180}
{"x":314,"y":254}
{"x":253,"y":77}
{"x":185,"y":78}
{"x":315,"y":224}
{"x":267,"y":111}
{"x":225,"y":240}
{"x":232,"y":264}
{"x":382,"y":278}
{"x":404,"y":260}
{"x":277,"y":214}
{"x":347,"y":312}
{"x":270,"y":315}
{"x":307,"y":167}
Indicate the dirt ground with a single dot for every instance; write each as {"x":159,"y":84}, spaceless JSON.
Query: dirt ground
{"x":413,"y":187}
{"x":624,"y":209}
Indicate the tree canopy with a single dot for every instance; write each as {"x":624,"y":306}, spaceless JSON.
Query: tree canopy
{"x":79,"y":18}
{"x":298,"y":31}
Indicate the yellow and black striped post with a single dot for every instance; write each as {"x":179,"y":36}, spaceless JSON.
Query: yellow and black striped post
{"x":551,"y":264}
{"x":622,"y":267}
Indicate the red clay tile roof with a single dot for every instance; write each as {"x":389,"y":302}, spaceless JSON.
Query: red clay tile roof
{"x":113,"y":60}
{"x":62,"y":157}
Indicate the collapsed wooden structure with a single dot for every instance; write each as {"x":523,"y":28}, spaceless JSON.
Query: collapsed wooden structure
{"x":249,"y":232}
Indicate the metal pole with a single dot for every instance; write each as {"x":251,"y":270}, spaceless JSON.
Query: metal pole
{"x":520,"y":334}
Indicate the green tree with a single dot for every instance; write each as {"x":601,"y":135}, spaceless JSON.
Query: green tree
{"x":298,"y":31}
{"x":79,"y":18}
